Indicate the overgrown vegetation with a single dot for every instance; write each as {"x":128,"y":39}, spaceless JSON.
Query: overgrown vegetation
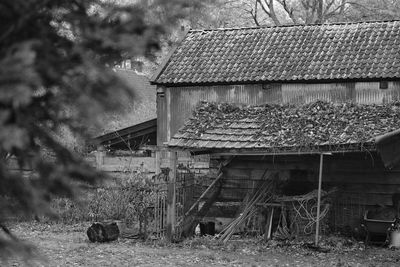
{"x":316,"y":123}
{"x":130,"y":201}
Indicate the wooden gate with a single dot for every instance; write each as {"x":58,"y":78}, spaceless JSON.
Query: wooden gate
{"x":177,"y":191}
{"x":184,"y":196}
{"x":160,"y":205}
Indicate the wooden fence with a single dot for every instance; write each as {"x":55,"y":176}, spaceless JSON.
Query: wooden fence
{"x":122,"y":166}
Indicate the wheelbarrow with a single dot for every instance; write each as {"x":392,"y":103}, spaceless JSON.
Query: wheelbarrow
{"x":374,"y":227}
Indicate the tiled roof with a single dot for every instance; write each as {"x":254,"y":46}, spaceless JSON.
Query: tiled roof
{"x":367,"y":50}
{"x":286,"y":127}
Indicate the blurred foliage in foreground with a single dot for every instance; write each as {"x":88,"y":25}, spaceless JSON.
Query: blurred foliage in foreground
{"x":55,"y":75}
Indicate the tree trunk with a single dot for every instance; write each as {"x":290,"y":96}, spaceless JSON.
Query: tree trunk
{"x":103,"y":232}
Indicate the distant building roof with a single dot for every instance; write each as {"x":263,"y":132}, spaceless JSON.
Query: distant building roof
{"x":366,"y":50}
{"x":286,"y":128}
{"x":132,"y":137}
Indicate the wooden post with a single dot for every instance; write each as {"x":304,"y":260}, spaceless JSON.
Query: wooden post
{"x":158,"y":161}
{"x":171,"y":197}
{"x":269,"y":223}
{"x":321,"y":164}
{"x":100,"y":153}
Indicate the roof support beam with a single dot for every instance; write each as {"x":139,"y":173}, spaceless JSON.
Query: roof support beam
{"x":261,"y":153}
{"x":321,"y":165}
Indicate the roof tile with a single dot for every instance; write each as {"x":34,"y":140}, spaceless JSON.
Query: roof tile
{"x":276,"y":126}
{"x":286,"y":53}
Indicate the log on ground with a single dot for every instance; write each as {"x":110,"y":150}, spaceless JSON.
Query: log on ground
{"x":103,"y":232}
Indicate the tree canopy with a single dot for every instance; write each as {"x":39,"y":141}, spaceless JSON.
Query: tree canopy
{"x":55,"y":73}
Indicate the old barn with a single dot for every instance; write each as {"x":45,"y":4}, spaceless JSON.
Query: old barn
{"x":304,"y":106}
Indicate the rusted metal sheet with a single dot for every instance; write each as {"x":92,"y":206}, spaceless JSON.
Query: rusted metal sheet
{"x":360,"y":92}
{"x":306,"y":93}
{"x":370,"y":93}
{"x":185,"y":99}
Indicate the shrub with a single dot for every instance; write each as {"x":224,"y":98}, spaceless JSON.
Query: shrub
{"x":126,"y":200}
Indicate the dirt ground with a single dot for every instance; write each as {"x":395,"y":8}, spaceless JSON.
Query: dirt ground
{"x":63,"y":245}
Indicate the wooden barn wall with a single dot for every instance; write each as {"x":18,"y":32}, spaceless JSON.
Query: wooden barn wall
{"x":178,"y":103}
{"x":161,"y":119}
{"x":361,"y":179}
{"x":358,"y":173}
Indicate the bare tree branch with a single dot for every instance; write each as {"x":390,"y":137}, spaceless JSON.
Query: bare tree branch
{"x":336,"y":11}
{"x":254,"y":15}
{"x":265,"y":9}
{"x":320,"y":11}
{"x":316,"y":11}
{"x":268,"y":8}
{"x":289,"y":10}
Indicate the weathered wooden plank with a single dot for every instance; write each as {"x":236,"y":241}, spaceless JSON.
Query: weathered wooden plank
{"x":185,"y":159}
{"x":171,"y":197}
{"x":352,"y":166}
{"x":114,"y":168}
{"x":240,"y":183}
{"x":200,"y":165}
{"x":161,"y":117}
{"x":227,"y":187}
{"x":214,"y":163}
{"x":367,"y":188}
{"x":183,"y":154}
{"x":367,"y":198}
{"x":201,"y":158}
{"x":262,"y":165}
{"x":222,"y":211}
{"x":330,"y":166}
{"x":230,"y":194}
{"x":360,"y":177}
{"x":115,"y":160}
{"x":242,"y":172}
{"x":143,"y":163}
{"x":237,"y":173}
{"x":347,"y":161}
{"x":373,"y":178}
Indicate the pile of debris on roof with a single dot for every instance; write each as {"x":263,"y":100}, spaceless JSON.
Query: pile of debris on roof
{"x":318,"y":123}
